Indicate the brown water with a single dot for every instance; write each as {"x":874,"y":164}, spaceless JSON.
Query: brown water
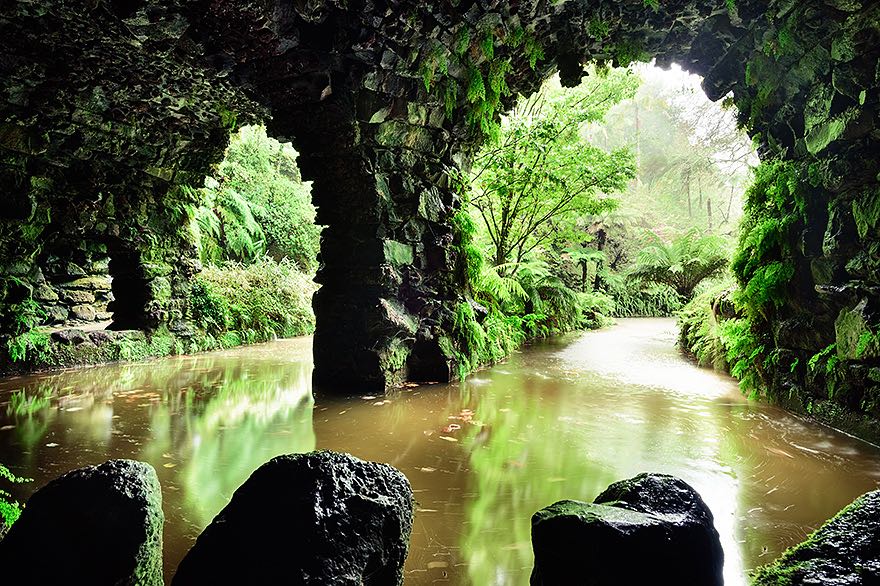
{"x":562,"y":419}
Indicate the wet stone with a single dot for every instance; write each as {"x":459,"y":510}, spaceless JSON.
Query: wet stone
{"x":95,"y":525}
{"x":844,"y":552}
{"x":651,"y":529}
{"x":315,"y":519}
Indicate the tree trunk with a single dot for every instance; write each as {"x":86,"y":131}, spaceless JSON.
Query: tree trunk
{"x":709,"y":211}
{"x":687,"y":183}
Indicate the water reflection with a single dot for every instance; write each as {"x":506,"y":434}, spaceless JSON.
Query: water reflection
{"x":204,"y":422}
{"x":560,"y":420}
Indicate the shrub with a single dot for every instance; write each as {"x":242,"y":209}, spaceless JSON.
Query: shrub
{"x":252,"y":303}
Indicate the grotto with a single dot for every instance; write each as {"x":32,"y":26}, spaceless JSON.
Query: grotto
{"x":110,"y":106}
{"x":113,"y":108}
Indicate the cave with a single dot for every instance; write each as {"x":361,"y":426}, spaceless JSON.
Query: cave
{"x":109,"y":107}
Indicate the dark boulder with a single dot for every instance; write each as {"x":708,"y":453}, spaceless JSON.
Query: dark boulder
{"x":651,"y":529}
{"x":99,"y":525}
{"x":843,"y":552}
{"x":321,"y":518}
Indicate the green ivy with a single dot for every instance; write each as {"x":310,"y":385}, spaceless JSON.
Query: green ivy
{"x":775,"y":207}
{"x":480,"y":72}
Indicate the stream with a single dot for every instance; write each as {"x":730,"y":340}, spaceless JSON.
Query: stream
{"x":560,"y":419}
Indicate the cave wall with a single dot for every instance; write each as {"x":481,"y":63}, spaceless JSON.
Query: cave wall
{"x":109,"y":107}
{"x":103,"y":119}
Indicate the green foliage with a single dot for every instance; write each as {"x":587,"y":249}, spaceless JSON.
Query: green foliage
{"x":533,"y":49}
{"x":257,"y":302}
{"x":746,"y":354}
{"x":726,"y":342}
{"x":470,"y":254}
{"x":209,"y":309}
{"x":10,"y":510}
{"x":21,"y":320}
{"x":867,"y":341}
{"x":633,"y":298}
{"x":480,"y":72}
{"x":775,"y":206}
{"x":257,"y":204}
{"x":768,"y":284}
{"x":539,"y":172}
{"x":682,"y":264}
{"x":598,"y":29}
{"x":517,"y":301}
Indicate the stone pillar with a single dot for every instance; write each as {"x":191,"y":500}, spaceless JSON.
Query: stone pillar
{"x":387,"y":275}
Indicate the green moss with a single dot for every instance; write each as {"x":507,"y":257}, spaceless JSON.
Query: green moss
{"x":598,"y":29}
{"x":866,"y":212}
{"x":787,"y":567}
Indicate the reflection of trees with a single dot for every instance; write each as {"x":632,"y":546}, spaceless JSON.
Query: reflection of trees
{"x":521,"y":460}
{"x":204,"y":422}
{"x":548,"y":440}
{"x":226,"y":424}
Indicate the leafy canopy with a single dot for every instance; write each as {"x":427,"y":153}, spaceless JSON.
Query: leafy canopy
{"x":539,"y":173}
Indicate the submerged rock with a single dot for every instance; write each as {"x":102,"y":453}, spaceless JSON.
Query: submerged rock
{"x":98,"y":525}
{"x":651,"y":529}
{"x":321,"y":518}
{"x":843,"y":552}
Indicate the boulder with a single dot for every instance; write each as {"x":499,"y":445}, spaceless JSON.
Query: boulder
{"x":71,"y":336}
{"x":98,"y":525}
{"x":321,"y":518}
{"x":843,"y":552}
{"x":651,"y":529}
{"x":83,"y":312}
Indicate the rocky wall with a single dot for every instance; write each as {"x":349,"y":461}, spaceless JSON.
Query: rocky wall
{"x":103,"y":119}
{"x":108,"y":106}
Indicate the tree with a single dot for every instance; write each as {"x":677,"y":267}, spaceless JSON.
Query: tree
{"x":694,"y":161}
{"x":540,"y":173}
{"x":683,"y":263}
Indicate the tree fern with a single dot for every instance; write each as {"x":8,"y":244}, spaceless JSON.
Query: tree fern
{"x":681,"y":264}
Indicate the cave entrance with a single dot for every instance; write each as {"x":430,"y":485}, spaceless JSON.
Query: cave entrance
{"x":130,"y":286}
{"x":676,"y":224}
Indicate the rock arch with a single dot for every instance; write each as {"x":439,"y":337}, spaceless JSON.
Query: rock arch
{"x":130,"y":99}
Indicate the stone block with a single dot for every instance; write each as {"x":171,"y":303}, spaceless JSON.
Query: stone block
{"x":77,"y":296}
{"x":93,"y":283}
{"x":45,"y":293}
{"x":83,"y":312}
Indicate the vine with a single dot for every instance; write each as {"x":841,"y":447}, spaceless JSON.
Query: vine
{"x":470,"y":69}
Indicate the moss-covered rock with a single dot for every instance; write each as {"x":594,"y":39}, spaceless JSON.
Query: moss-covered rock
{"x":653,"y":528}
{"x":95,"y":525}
{"x":844,"y":551}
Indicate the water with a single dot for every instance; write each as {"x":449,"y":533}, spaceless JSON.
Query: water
{"x":562,"y":419}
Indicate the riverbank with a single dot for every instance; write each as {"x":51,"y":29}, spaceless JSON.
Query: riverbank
{"x":838,"y":386}
{"x":228,"y":306}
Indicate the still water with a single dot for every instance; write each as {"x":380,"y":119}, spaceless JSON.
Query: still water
{"x":561,"y":419}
